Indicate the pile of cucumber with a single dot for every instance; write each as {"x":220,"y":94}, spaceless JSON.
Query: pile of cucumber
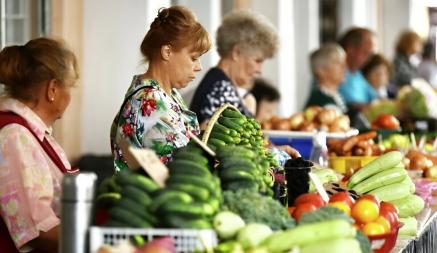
{"x":128,"y":205}
{"x":192,"y":195}
{"x":235,"y":129}
{"x":386,"y":178}
{"x":241,"y":168}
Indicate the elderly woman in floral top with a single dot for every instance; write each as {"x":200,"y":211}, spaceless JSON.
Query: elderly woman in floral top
{"x":153,"y":114}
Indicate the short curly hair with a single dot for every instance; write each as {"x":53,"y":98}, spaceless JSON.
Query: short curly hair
{"x":250,"y":31}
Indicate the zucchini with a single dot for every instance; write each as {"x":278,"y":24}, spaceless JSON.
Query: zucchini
{"x":196,"y":192}
{"x":391,"y":192}
{"x":125,"y":177}
{"x":409,"y":206}
{"x":307,"y":234}
{"x":128,"y":218}
{"x":411,"y":185}
{"x":190,"y":210}
{"x":235,"y":151}
{"x":233,"y":175}
{"x":384,"y":162}
{"x":410,"y":226}
{"x":107,"y":199}
{"x":175,"y":221}
{"x":380,"y":179}
{"x":137,"y":195}
{"x":237,"y":161}
{"x":340,"y":245}
{"x":197,"y":158}
{"x":134,"y":207}
{"x":207,"y":183}
{"x":170,"y":197}
{"x":188,"y":165}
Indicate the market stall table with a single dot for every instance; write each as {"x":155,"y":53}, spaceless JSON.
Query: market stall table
{"x":426,"y":239}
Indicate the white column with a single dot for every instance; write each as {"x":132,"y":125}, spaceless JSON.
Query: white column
{"x":209,"y":15}
{"x":395,"y":18}
{"x":113,"y":31}
{"x":357,"y":13}
{"x":306,"y":20}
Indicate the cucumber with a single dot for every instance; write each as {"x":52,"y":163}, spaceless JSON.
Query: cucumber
{"x":125,"y":177}
{"x":238,"y":162}
{"x":384,"y":162}
{"x":380,"y":179}
{"x":411,"y":185}
{"x":136,"y":208}
{"x":191,"y":210}
{"x":216,"y":142}
{"x":409,"y":206}
{"x":226,"y":138}
{"x":170,"y":197}
{"x":232,"y":114}
{"x":136,"y":194}
{"x":196,"y":192}
{"x":128,"y":218}
{"x":189,"y":171}
{"x":189,"y":165}
{"x":206,"y":183}
{"x":340,"y":245}
{"x":233,"y":133}
{"x":391,"y":192}
{"x":220,"y":128}
{"x":175,"y":221}
{"x":235,"y":151}
{"x":240,"y":184}
{"x":309,"y":234}
{"x":197,"y":158}
{"x":107,"y":199}
{"x":229,"y":123}
{"x":233,"y":175}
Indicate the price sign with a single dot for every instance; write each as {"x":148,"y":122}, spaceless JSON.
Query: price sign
{"x":147,"y":160}
{"x":319,"y":187}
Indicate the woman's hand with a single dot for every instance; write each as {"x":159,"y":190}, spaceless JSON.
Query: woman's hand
{"x":289,"y":150}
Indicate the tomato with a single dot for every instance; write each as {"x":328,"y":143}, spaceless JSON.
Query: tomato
{"x":312,"y":198}
{"x":387,"y":121}
{"x":371,"y":198}
{"x":389,"y":207}
{"x":302,"y":209}
{"x":392,"y":217}
{"x":365,"y":211}
{"x":342,"y":197}
{"x":291,"y":210}
{"x":342,"y":206}
{"x":373,"y":228}
{"x":385,"y":223}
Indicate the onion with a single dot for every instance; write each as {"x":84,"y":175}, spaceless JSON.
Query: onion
{"x":296,"y":121}
{"x":420,"y":162}
{"x":327,"y":116}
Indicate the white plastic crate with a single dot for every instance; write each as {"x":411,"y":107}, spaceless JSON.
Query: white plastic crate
{"x":186,"y":240}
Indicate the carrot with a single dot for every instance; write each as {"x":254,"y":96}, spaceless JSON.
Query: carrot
{"x":350,"y":143}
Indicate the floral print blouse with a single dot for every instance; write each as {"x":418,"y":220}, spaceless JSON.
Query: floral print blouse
{"x":150,"y":118}
{"x":30,"y":183}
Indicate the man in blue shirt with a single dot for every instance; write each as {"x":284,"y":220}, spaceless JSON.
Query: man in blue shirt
{"x":359,"y":44}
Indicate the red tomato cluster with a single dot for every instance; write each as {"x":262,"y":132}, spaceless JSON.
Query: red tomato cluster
{"x":371,"y":216}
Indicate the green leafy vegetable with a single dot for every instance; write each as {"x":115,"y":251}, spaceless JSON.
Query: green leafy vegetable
{"x":323,"y":214}
{"x":365,"y":245}
{"x":256,"y":208}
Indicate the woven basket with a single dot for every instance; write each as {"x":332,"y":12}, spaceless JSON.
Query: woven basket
{"x":214,"y":119}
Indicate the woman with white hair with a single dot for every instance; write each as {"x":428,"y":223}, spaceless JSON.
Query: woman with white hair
{"x":244,"y":40}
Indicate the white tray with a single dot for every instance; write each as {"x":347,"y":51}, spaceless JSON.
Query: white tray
{"x":186,"y":240}
{"x":300,"y":134}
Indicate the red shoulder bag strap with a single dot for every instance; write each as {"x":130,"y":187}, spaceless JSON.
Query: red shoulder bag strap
{"x":6,"y":118}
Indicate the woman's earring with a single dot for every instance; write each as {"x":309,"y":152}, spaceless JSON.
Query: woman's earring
{"x":52,"y":99}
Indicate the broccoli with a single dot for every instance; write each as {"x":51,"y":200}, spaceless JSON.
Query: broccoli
{"x":256,"y":208}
